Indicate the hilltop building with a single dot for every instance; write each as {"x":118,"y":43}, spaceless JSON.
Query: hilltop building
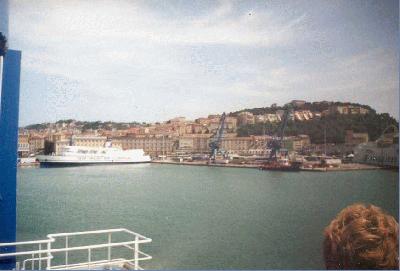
{"x":245,"y":118}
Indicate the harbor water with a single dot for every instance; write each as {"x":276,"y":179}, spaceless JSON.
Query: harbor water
{"x":201,"y":217}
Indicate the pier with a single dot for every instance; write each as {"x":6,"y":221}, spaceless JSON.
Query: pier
{"x":342,"y":167}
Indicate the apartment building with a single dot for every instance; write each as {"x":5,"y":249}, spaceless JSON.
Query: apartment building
{"x":36,"y":144}
{"x":151,"y":144}
{"x":23,"y":145}
{"x":89,"y":141}
{"x":303,"y":115}
{"x":352,"y":138}
{"x":245,"y":118}
{"x":347,"y":110}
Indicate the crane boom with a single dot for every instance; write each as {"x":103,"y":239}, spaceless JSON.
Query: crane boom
{"x":215,"y":142}
{"x":276,"y":143}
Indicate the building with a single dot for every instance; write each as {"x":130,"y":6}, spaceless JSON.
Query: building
{"x":297,"y":143}
{"x":245,"y":118}
{"x":231,"y":124}
{"x":303,"y":115}
{"x":352,"y":138}
{"x":270,"y":118}
{"x":36,"y":144}
{"x":23,"y":145}
{"x":202,"y":121}
{"x":58,"y":145}
{"x":88,"y":141}
{"x":281,"y":113}
{"x":298,"y":103}
{"x":260,"y":119}
{"x":347,"y":110}
{"x":230,"y":143}
{"x":178,"y":120}
{"x":151,"y":144}
{"x":213,"y":125}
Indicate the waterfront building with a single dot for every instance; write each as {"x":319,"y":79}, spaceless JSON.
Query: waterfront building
{"x":195,"y":143}
{"x":60,"y":144}
{"x":376,"y":153}
{"x":230,"y":143}
{"x":36,"y":144}
{"x":236,"y":145}
{"x":297,"y":143}
{"x":23,"y":145}
{"x":153,"y":145}
{"x":258,"y":145}
{"x":88,"y":141}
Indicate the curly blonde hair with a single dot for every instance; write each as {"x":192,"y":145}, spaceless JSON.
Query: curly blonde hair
{"x":362,"y":237}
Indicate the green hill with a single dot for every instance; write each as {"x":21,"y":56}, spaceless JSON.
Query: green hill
{"x":336,"y":126}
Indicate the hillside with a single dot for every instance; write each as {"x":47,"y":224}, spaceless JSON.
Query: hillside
{"x":336,"y":126}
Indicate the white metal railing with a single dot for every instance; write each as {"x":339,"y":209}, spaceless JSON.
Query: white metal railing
{"x":43,"y":253}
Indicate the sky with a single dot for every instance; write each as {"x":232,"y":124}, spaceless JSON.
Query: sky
{"x":155,"y":60}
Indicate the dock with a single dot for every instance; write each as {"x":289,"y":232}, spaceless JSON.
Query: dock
{"x":342,"y":167}
{"x":204,"y":163}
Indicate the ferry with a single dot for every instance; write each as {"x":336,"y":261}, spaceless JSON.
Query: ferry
{"x":79,"y":155}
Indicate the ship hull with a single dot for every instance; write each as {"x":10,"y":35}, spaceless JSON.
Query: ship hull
{"x":84,"y":156}
{"x":280,"y":168}
{"x":48,"y":164}
{"x":294,"y":166}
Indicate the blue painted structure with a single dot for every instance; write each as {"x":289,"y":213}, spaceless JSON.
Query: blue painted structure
{"x":8,"y":151}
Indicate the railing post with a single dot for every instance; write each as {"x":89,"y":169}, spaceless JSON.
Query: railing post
{"x":109,"y":248}
{"x":48,"y":255}
{"x":66,"y":252}
{"x":89,"y":257}
{"x":136,"y":253}
{"x":40,"y":256}
{"x":33,"y":261}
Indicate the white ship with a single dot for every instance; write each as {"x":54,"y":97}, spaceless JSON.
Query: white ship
{"x":79,"y":155}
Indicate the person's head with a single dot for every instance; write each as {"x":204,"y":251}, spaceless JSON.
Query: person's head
{"x":362,"y":237}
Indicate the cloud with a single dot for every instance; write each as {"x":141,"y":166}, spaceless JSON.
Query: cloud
{"x":371,"y":75}
{"x":142,"y":63}
{"x":126,"y":21}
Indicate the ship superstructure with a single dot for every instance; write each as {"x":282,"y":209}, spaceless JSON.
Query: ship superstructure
{"x":79,"y":155}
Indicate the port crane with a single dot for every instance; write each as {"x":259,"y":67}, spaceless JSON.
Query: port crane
{"x":215,"y":141}
{"x":276,"y":143}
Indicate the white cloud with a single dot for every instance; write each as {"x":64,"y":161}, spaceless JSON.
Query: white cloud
{"x":151,"y":65}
